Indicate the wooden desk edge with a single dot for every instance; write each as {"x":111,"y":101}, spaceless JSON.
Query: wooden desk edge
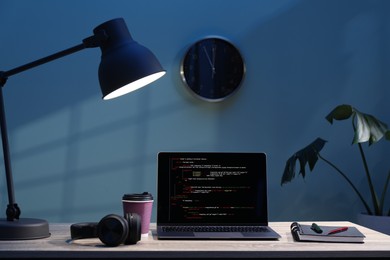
{"x":60,"y":246}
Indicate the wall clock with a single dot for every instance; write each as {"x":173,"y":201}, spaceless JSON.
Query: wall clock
{"x":212,"y":69}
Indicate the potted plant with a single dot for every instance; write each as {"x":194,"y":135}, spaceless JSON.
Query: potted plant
{"x":367,"y":128}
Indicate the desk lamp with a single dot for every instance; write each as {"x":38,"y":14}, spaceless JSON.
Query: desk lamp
{"x":124,"y":67}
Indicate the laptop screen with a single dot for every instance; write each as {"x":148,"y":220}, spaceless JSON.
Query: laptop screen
{"x":212,"y":187}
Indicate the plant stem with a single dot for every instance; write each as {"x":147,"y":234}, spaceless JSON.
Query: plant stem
{"x":372,"y":190}
{"x":382,"y":201}
{"x":374,"y":197}
{"x":349,"y":181}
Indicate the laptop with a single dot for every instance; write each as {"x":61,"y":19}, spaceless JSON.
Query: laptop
{"x":212,"y":195}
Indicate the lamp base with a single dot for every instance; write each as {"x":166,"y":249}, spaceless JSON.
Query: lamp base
{"x":23,"y":229}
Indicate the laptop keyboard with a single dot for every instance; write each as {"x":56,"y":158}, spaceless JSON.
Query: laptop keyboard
{"x":214,"y":229}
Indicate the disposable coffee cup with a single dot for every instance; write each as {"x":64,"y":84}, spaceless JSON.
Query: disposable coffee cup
{"x":140,"y":203}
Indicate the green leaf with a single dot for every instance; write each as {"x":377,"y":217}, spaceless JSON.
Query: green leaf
{"x":387,"y":134}
{"x":367,"y":127}
{"x":341,"y":112}
{"x":307,"y":155}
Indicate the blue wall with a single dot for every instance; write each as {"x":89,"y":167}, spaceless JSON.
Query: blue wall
{"x":75,"y":155}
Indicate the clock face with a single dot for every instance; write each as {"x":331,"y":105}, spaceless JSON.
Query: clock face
{"x":213,"y":69}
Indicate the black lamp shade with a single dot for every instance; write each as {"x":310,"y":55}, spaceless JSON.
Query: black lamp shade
{"x":125,"y":65}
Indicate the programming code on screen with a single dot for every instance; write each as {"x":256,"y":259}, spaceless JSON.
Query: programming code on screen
{"x":212,"y":189}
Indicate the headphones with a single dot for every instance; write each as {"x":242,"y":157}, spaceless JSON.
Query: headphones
{"x":112,"y":230}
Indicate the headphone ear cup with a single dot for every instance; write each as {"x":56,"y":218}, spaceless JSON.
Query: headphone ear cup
{"x":134,"y":223}
{"x":113,"y":230}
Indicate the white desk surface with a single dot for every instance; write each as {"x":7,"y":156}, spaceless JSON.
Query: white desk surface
{"x":59,"y":245}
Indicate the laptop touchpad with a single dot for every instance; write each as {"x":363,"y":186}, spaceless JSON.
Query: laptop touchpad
{"x":218,"y":234}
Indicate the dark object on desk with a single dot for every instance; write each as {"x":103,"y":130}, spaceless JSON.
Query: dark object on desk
{"x":316,"y":228}
{"x":213,"y":195}
{"x":112,"y":230}
{"x":302,"y":232}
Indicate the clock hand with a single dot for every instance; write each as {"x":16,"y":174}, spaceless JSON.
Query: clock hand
{"x":208,"y":57}
{"x":211,"y":62}
{"x":214,"y":51}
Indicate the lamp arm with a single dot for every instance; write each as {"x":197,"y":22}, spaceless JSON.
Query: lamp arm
{"x":91,"y":42}
{"x":44,"y":60}
{"x":13,"y":210}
